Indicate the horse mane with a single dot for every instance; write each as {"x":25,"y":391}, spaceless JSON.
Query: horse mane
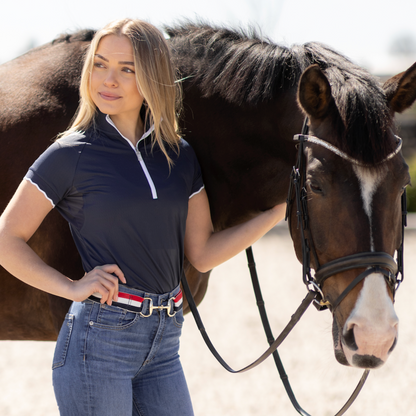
{"x":84,"y":35}
{"x":245,"y":68}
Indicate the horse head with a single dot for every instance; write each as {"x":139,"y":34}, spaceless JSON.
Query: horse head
{"x":354,"y":178}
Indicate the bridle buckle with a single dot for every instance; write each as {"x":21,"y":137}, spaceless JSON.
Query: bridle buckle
{"x":319,"y":302}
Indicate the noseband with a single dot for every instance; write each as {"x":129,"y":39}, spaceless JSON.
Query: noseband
{"x":374,"y":262}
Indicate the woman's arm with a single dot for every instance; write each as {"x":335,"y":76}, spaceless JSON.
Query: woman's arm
{"x":19,"y":221}
{"x":206,"y":249}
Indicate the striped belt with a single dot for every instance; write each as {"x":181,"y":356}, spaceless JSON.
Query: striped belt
{"x":136,"y":303}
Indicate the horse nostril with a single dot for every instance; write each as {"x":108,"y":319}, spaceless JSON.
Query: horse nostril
{"x":349,"y":339}
{"x":393,"y":345}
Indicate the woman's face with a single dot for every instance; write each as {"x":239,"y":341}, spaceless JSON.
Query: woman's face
{"x":113,"y":85}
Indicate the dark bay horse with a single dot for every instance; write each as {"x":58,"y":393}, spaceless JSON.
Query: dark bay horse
{"x":244,"y":99}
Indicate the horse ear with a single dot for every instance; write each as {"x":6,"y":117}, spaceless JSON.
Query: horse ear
{"x":401,"y":90}
{"x":314,"y":92}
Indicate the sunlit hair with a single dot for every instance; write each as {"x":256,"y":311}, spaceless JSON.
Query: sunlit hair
{"x":155,"y":79}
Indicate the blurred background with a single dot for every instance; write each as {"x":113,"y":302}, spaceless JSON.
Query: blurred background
{"x":380,"y":36}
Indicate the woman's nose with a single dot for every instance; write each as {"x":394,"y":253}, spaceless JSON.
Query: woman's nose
{"x":111,"y":79}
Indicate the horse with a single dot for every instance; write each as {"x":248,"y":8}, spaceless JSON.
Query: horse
{"x":244,"y":100}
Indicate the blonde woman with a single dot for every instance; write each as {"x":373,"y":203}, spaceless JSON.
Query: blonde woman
{"x":132,"y":192}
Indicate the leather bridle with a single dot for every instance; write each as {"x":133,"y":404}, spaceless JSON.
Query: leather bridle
{"x":374,"y":262}
{"x":377,"y":262}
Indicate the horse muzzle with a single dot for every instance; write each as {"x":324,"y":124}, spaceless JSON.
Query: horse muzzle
{"x":370,"y":333}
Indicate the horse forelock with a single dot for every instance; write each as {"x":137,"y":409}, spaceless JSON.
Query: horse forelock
{"x":364,"y":121}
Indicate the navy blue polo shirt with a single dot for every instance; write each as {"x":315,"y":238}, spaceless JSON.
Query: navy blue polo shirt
{"x":123,"y":204}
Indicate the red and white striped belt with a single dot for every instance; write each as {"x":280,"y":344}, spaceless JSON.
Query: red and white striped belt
{"x":136,"y":303}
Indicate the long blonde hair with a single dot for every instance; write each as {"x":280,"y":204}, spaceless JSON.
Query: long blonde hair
{"x":155,"y":78}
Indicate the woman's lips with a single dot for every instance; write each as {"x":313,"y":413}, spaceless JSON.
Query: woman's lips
{"x":108,"y":97}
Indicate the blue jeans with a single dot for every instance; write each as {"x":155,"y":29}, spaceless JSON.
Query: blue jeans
{"x":111,"y":361}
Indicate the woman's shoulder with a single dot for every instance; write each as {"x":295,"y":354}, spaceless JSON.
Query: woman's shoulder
{"x":185,"y":153}
{"x":186,"y":148}
{"x":63,"y":152}
{"x":71,"y":143}
{"x":71,"y":139}
{"x":192,"y":167}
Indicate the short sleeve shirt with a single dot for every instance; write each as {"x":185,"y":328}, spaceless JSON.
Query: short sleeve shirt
{"x":123,"y":204}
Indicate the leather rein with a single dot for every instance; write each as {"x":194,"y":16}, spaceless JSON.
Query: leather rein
{"x":375,"y":262}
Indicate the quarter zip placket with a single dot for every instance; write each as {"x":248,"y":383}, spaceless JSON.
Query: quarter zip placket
{"x":139,"y":155}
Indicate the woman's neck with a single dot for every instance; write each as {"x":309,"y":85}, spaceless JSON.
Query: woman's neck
{"x":129,"y":128}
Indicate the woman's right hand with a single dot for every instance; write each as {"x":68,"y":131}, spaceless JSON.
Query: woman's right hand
{"x":102,"y":281}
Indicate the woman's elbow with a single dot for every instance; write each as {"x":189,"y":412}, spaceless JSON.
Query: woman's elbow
{"x":198,"y":261}
{"x":202,"y":267}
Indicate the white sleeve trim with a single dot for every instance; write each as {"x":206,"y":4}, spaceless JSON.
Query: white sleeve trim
{"x":44,"y":193}
{"x":197,"y":192}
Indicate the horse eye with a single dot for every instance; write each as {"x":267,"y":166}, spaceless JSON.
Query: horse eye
{"x":314,"y":187}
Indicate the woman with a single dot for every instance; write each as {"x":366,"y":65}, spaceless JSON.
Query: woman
{"x":132,"y":192}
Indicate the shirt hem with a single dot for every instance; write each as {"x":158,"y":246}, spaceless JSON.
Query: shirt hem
{"x":197,"y":192}
{"x":44,"y":193}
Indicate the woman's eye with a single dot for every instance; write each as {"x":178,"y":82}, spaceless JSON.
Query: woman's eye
{"x":128,"y":70}
{"x":98,"y":65}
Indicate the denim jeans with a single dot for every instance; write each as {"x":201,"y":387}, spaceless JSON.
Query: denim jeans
{"x":110,"y":361}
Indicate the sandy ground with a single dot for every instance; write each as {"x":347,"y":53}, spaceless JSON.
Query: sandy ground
{"x":232,"y":321}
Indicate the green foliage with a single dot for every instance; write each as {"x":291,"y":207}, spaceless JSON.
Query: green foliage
{"x":411,"y":190}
